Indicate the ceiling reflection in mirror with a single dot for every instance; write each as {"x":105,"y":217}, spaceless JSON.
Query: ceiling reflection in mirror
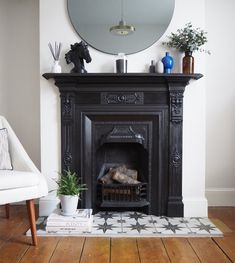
{"x":95,"y":21}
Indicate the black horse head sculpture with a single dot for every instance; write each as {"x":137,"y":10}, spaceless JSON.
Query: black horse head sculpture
{"x":76,"y":55}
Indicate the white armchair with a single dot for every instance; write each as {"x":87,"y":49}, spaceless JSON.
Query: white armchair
{"x":24,"y":182}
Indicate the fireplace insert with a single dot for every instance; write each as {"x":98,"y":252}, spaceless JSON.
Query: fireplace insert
{"x":121,"y":188}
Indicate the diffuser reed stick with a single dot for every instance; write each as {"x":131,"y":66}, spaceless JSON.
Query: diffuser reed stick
{"x":56,"y":50}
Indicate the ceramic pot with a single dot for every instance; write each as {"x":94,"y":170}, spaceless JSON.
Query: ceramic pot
{"x":69,"y":204}
{"x":159,"y":67}
{"x":168,"y":63}
{"x":56,"y":68}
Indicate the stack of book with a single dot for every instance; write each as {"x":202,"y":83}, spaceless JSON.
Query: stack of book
{"x":79,"y":223}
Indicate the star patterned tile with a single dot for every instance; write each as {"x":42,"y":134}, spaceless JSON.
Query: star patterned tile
{"x":134,"y":224}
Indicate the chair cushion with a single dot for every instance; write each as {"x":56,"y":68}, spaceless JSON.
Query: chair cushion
{"x":5,"y":160}
{"x":17,"y":179}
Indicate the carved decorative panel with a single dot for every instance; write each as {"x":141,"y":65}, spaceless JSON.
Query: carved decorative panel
{"x":122,"y":98}
{"x":176,"y":106}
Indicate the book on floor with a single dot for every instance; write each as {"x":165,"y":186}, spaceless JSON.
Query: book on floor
{"x":80,"y":222}
{"x":81,"y":215}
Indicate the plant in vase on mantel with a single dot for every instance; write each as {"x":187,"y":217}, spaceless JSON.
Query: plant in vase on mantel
{"x":69,"y":190}
{"x":188,"y":40}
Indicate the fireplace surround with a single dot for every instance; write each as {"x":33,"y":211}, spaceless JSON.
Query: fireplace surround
{"x":134,"y":119}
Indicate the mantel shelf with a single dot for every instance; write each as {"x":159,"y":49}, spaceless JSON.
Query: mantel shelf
{"x":123,"y":78}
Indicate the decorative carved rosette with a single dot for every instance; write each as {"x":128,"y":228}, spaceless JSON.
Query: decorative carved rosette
{"x":122,"y":98}
{"x":176,"y":159}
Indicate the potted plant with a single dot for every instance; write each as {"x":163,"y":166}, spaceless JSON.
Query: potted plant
{"x":188,"y":40}
{"x":69,"y":189}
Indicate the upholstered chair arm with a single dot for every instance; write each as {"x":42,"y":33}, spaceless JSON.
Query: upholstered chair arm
{"x":20,"y":159}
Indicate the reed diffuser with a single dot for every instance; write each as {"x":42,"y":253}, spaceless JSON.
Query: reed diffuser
{"x":55,"y":51}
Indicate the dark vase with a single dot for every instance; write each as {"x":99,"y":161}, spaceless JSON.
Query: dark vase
{"x":188,"y":63}
{"x":168,"y":63}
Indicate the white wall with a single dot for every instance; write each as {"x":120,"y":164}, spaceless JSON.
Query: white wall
{"x":19,"y":71}
{"x":3,"y":42}
{"x":220,"y":101}
{"x":55,"y":26}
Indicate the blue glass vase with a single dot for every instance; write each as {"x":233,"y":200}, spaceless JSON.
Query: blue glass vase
{"x":168,"y":63}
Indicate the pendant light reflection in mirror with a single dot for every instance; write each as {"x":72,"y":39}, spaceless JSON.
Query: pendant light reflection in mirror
{"x":122,"y":29}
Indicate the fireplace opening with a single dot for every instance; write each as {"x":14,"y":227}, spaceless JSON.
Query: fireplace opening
{"x":122,"y":177}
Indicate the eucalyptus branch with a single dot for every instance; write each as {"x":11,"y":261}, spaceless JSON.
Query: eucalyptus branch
{"x":188,"y":39}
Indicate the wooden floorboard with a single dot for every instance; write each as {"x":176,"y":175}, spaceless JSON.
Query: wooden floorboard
{"x":69,"y":249}
{"x":179,"y":250}
{"x":96,"y":250}
{"x":124,"y":250}
{"x":43,"y":252}
{"x":152,"y":250}
{"x":16,"y":247}
{"x":227,"y":244}
{"x":207,"y":250}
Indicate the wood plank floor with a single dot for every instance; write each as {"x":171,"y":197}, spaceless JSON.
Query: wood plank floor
{"x":16,"y":247}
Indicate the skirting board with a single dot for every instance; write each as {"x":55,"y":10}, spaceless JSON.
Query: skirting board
{"x":220,"y":196}
{"x":195,"y":207}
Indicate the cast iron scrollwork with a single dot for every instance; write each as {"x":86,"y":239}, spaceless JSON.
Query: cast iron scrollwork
{"x":176,"y":106}
{"x":123,"y":133}
{"x":176,"y":158}
{"x":68,"y":158}
{"x":66,"y":105}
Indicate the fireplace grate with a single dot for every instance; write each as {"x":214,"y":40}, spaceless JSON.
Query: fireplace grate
{"x":123,"y":195}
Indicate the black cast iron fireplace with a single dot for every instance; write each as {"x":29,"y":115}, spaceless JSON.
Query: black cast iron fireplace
{"x":125,"y":120}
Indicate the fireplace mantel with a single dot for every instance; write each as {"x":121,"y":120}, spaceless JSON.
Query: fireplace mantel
{"x":132,"y":78}
{"x":91,"y":100}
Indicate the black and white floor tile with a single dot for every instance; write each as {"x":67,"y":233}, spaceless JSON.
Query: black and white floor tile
{"x":128,"y":224}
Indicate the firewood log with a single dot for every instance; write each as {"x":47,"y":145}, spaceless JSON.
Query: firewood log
{"x":129,"y":172}
{"x":132,"y":173}
{"x":122,"y":178}
{"x":107,"y":178}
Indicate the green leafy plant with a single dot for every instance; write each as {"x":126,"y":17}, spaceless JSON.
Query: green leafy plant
{"x":69,"y":184}
{"x":188,"y":39}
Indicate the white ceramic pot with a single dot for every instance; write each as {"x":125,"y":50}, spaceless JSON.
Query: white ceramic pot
{"x":56,"y":68}
{"x":69,"y":204}
{"x":159,"y":67}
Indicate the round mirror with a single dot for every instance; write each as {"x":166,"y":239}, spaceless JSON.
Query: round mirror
{"x":120,"y":26}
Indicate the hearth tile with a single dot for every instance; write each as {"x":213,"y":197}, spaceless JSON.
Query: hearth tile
{"x":146,"y":221}
{"x":128,"y":222}
{"x":105,"y":228}
{"x":206,"y":220}
{"x":106,"y":215}
{"x":176,"y":221}
{"x":159,"y":220}
{"x":204,"y":226}
{"x":139,"y":228}
{"x":134,"y":215}
{"x":172,"y":228}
